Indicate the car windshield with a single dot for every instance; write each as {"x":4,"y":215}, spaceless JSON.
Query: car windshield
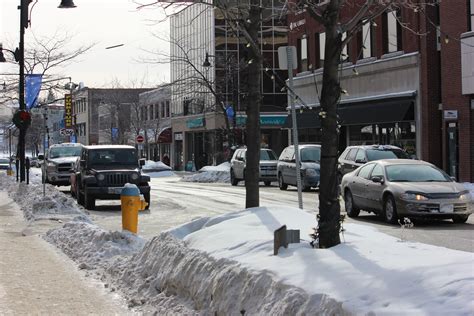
{"x":57,"y":152}
{"x":267,"y":155}
{"x":376,"y":154}
{"x":415,"y":173}
{"x":311,"y":154}
{"x":4,"y":160}
{"x":113,"y":156}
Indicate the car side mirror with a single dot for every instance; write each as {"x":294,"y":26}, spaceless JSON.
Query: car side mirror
{"x":41,"y":157}
{"x":360,"y":161}
{"x":141,"y":162}
{"x":378,"y":179}
{"x":82,"y":163}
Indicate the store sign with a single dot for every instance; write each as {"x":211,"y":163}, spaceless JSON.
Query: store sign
{"x":450,"y":114}
{"x":196,"y":122}
{"x":178,"y":136}
{"x":67,"y":111}
{"x":266,"y":120}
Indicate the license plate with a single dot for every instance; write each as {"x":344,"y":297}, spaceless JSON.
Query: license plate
{"x":446,"y":208}
{"x":115,"y":190}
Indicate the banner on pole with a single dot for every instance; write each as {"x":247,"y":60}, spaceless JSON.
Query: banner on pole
{"x":32,"y":89}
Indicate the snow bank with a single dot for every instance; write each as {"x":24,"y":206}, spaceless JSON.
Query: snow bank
{"x":470,"y":187}
{"x":151,"y":165}
{"x":220,"y":173}
{"x":36,"y":206}
{"x":369,"y":272}
{"x":96,"y":246}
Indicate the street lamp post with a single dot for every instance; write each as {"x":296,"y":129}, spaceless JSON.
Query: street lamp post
{"x":23,"y":7}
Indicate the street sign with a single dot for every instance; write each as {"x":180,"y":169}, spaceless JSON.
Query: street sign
{"x":66,"y":132}
{"x":140,"y":139}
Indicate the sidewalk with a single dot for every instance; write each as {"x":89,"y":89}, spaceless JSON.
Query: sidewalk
{"x":35,"y":278}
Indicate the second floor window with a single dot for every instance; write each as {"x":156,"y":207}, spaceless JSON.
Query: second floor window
{"x":303,"y":54}
{"x":322,"y":47}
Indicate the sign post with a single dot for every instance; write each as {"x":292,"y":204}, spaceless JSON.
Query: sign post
{"x":139,"y":140}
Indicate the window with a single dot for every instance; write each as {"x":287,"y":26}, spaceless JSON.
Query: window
{"x":377,"y":172}
{"x":360,"y":155}
{"x":368,"y":40}
{"x":392,"y":32}
{"x":168,"y":108}
{"x":471,"y":26}
{"x":303,"y":53}
{"x":352,"y":154}
{"x":365,"y":171}
{"x":322,"y":47}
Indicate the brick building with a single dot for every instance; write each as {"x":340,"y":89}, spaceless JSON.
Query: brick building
{"x":411,"y":90}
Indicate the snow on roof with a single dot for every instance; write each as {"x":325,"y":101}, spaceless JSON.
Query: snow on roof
{"x":109,"y":147}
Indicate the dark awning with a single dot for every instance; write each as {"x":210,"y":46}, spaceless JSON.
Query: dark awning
{"x":380,"y":111}
{"x":165,"y":136}
{"x":306,"y":119}
{"x":367,"y":112}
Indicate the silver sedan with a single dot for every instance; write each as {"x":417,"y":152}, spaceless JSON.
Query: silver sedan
{"x":397,"y":188}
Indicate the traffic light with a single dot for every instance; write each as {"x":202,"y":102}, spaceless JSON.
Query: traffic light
{"x":22,"y":119}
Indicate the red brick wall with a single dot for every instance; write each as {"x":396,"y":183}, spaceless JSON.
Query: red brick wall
{"x":453,"y":21}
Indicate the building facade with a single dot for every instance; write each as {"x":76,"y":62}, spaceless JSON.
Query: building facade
{"x":210,"y":58}
{"x":105,"y":116}
{"x":406,"y":86}
{"x":155,"y":113}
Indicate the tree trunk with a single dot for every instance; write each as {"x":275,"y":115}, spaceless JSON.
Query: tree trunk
{"x":329,"y":208}
{"x":253,"y":112}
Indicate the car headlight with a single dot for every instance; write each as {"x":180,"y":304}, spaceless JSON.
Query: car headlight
{"x":51,"y":164}
{"x":413,"y":197}
{"x":311,"y":172}
{"x":134,"y":176}
{"x":465,"y":196}
{"x":100,"y":176}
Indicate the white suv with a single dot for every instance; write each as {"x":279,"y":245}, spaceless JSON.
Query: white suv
{"x":268,"y":166}
{"x":59,"y":162}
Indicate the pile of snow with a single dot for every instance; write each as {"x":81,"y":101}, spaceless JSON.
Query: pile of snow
{"x":470,"y":187}
{"x":151,"y":165}
{"x":96,"y":246}
{"x":220,"y":173}
{"x":369,"y":272}
{"x":36,"y":206}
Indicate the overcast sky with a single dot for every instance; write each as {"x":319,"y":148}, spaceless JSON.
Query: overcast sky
{"x":104,"y":22}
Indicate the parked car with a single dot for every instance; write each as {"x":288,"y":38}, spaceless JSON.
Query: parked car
{"x":4,"y":163}
{"x":59,"y":162}
{"x":268,"y":166}
{"x":102,"y":170}
{"x":355,"y":156}
{"x":397,"y":188}
{"x":310,"y":156}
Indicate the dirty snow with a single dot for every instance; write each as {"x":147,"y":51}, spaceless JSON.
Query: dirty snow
{"x":220,"y":173}
{"x":225,"y":265}
{"x":151,"y":165}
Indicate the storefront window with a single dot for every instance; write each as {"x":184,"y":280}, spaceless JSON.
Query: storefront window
{"x":402,"y":134}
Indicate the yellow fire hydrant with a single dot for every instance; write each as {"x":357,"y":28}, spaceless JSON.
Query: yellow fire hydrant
{"x":131,"y":203}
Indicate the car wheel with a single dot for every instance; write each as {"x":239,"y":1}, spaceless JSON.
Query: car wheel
{"x":281,"y":184}
{"x":459,"y":219}
{"x":147,"y":200}
{"x":267,"y":183}
{"x":233,"y":180}
{"x":89,"y":200}
{"x":390,"y":210}
{"x":351,"y":209}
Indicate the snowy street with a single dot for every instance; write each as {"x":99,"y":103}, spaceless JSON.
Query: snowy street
{"x":199,"y":252}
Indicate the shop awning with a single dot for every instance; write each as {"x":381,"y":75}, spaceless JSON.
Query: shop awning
{"x":306,"y":119}
{"x":165,"y":136}
{"x":380,"y":111}
{"x":375,"y":111}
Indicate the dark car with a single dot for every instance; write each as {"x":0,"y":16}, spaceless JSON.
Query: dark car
{"x":310,"y":156}
{"x":103,"y":170}
{"x":397,"y":188}
{"x":355,"y":156}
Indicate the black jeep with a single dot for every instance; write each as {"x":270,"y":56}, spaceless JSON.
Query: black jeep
{"x":102,"y":172}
